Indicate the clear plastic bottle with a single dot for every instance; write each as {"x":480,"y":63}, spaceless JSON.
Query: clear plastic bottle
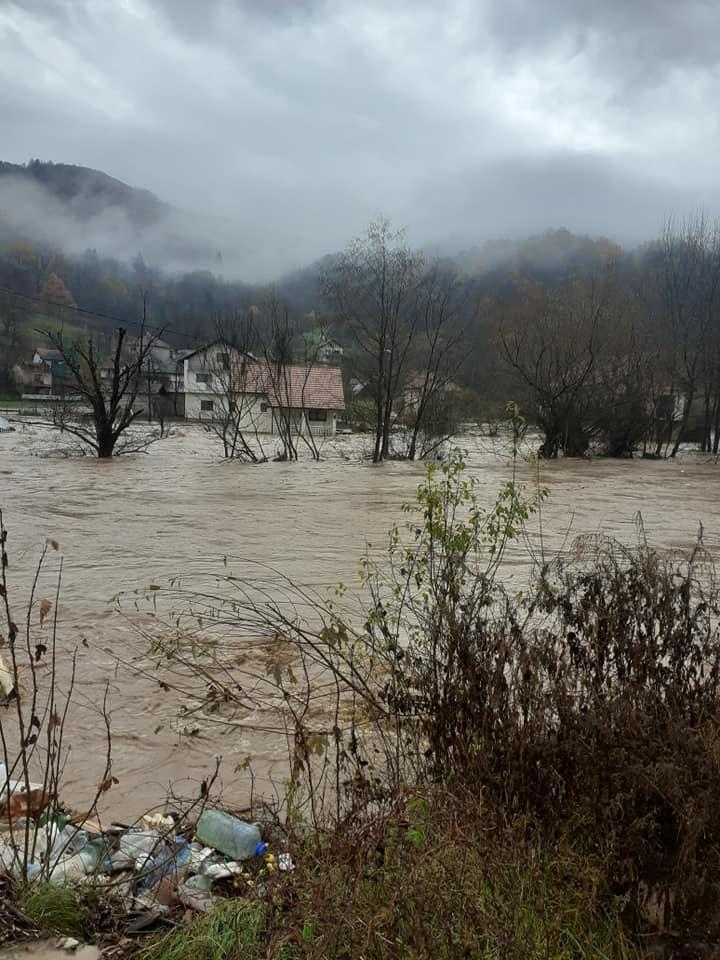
{"x":88,"y":860}
{"x":235,"y":838}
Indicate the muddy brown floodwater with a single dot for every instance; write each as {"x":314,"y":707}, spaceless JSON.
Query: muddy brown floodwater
{"x":179,"y":509}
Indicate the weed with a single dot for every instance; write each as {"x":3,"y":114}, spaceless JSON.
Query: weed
{"x":64,"y":910}
{"x":583,"y":714}
{"x":232,"y":931}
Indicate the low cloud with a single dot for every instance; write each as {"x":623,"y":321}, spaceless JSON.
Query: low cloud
{"x":293,"y":123}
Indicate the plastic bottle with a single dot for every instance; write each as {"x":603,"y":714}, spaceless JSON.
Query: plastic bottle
{"x":55,"y":843}
{"x":235,"y":838}
{"x":169,"y":858}
{"x":79,"y":865}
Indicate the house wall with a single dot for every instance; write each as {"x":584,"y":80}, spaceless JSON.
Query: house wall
{"x":253,"y":418}
{"x":318,"y":428}
{"x":327,"y":428}
{"x":205,"y":365}
{"x":33,"y":379}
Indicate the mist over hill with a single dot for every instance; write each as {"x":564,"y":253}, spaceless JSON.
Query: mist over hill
{"x":74,"y":208}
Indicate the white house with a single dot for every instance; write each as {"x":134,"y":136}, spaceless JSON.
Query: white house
{"x":330,"y":351}
{"x":220,"y":382}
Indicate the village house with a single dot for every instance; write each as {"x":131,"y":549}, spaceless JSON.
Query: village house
{"x":329,"y":352}
{"x":417,"y":385}
{"x":161,"y":386}
{"x":33,"y":380}
{"x":53,"y":358}
{"x":43,"y":377}
{"x":219,"y":381}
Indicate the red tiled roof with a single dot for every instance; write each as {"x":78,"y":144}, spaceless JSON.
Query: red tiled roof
{"x":292,"y":385}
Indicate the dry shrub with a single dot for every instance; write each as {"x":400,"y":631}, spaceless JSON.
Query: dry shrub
{"x":589,"y":705}
{"x":440,"y":877}
{"x":583,"y":711}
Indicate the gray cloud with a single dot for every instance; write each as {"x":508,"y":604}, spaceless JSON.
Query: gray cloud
{"x":659,"y":33}
{"x":295,"y":121}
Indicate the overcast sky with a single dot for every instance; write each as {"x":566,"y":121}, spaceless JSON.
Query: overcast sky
{"x":301,"y":119}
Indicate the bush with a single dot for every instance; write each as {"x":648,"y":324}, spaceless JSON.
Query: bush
{"x":584,"y":713}
{"x":588,"y":705}
{"x":441,"y":878}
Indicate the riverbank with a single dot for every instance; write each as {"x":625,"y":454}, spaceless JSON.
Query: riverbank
{"x":474,"y":771}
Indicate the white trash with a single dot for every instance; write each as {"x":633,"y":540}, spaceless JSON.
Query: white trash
{"x":15,"y":786}
{"x":77,"y":866}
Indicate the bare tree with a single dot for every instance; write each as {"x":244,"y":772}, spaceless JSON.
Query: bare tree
{"x":688,"y":284}
{"x":438,"y":340}
{"x":551,"y":341}
{"x":242,"y":385}
{"x":110,"y":390}
{"x":277,"y":350}
{"x":371,"y":287}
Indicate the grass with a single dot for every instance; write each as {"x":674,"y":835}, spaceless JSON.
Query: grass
{"x":459,"y":888}
{"x":60,"y":910}
{"x":28,"y":337}
{"x":31,"y":325}
{"x":232,"y":931}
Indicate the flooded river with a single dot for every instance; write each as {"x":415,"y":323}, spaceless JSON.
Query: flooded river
{"x":179,"y":509}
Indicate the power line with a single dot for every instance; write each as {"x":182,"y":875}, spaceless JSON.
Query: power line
{"x":98,"y":315}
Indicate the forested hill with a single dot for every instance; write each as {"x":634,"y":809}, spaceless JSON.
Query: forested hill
{"x":76,"y":208}
{"x":85,"y":193}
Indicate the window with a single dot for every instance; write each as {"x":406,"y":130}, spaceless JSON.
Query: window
{"x":223,"y":360}
{"x":264,"y":407}
{"x":319,"y":416}
{"x":203,"y":377}
{"x":206,"y":405}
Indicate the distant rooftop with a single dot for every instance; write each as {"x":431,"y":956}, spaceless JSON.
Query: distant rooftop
{"x":48,"y":353}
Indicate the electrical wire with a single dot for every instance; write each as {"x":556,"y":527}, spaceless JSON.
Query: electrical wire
{"x":98,"y":315}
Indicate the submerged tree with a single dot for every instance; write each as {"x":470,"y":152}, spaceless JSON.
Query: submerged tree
{"x":551,"y":342}
{"x":430,"y":408}
{"x":687,"y":282}
{"x":239,"y":384}
{"x":371,"y":287}
{"x":110,"y":388}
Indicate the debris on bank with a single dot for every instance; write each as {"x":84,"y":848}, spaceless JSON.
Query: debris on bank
{"x":160,"y":867}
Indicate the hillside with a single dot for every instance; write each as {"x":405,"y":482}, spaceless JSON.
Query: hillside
{"x":84,"y":192}
{"x":76,"y":208}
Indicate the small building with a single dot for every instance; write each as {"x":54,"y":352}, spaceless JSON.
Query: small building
{"x":53,"y":358}
{"x":420,"y":385}
{"x":220,"y":383}
{"x":33,"y":379}
{"x":330,"y":351}
{"x":161,"y":381}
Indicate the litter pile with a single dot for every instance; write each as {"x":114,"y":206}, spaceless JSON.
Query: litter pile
{"x":160,"y":865}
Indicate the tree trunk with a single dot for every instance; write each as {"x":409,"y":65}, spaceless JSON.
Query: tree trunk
{"x":105,"y":444}
{"x":689,"y":397}
{"x":378,"y":428}
{"x":707,"y":422}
